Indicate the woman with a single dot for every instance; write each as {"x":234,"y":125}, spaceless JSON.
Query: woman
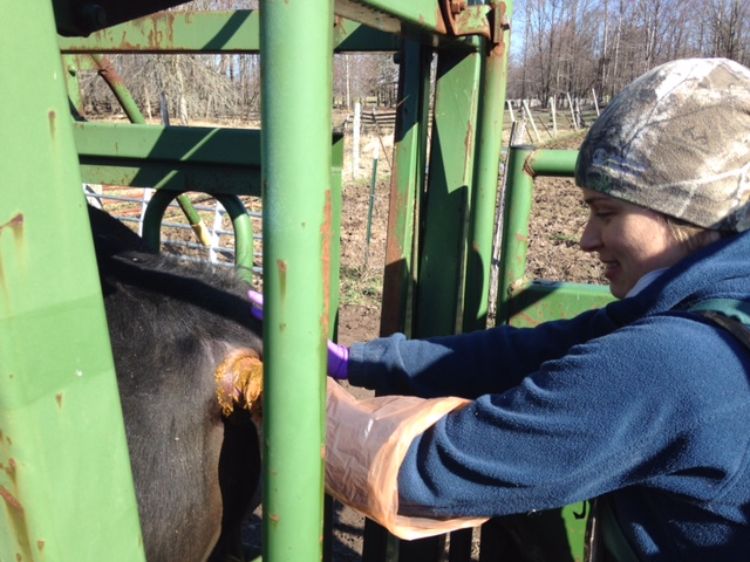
{"x":644,"y":402}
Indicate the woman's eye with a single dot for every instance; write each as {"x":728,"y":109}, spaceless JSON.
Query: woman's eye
{"x":603,"y":214}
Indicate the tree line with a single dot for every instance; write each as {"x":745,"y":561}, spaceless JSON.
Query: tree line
{"x":574,"y":46}
{"x":560,"y":48}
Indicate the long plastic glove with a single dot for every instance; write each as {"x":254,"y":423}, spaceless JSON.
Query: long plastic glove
{"x":338,"y":355}
{"x":366,"y":442}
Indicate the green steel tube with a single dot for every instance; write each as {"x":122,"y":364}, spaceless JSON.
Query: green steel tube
{"x":66,"y":489}
{"x":70,"y":66}
{"x":214,"y":31}
{"x":241,"y":222}
{"x":552,"y":163}
{"x":448,"y":197}
{"x":518,"y":200}
{"x":370,"y":208}
{"x":484,"y":195}
{"x":407,"y":179}
{"x":117,"y":86}
{"x":296,"y":68}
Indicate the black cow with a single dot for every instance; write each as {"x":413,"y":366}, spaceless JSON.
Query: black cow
{"x":171,"y":324}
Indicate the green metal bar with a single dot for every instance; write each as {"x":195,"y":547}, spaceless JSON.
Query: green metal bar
{"x":515,"y":244}
{"x":442,"y":264}
{"x":489,"y":146}
{"x":525,"y":163}
{"x":241,"y":222}
{"x":117,"y":86}
{"x":552,"y":163}
{"x":370,"y":208}
{"x":175,"y":158}
{"x":296,"y":41}
{"x":65,"y":486}
{"x":407,"y":179}
{"x":70,"y":66}
{"x":532,"y":303}
{"x":224,"y":32}
{"x":351,"y":36}
{"x":194,"y":145}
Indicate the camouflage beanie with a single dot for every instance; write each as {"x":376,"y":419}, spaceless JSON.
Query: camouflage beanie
{"x":677,"y":141}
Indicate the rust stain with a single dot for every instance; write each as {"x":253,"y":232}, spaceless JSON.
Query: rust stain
{"x":469,"y":139}
{"x":59,"y":399}
{"x":40,"y":545}
{"x":10,"y":470}
{"x":52,"y":117}
{"x":108,"y":72}
{"x":15,"y":225}
{"x":281,"y":265}
{"x":326,"y":234}
{"x":274,"y":519}
{"x":528,"y":164}
{"x":10,"y":499}
{"x":19,"y":557}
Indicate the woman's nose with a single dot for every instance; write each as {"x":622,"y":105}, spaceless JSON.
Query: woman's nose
{"x":590,"y":239}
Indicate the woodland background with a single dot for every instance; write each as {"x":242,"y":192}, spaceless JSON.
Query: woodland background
{"x":558,"y":47}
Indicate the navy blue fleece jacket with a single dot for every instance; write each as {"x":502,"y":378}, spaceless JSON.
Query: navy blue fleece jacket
{"x":639,"y":400}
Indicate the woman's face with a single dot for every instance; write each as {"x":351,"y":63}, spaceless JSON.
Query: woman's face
{"x":630,"y":240}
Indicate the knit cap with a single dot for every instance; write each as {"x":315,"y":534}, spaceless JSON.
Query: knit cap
{"x":677,"y":141}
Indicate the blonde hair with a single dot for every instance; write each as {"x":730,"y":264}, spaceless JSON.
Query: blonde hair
{"x":692,"y":237}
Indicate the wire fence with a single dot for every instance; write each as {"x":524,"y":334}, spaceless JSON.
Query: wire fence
{"x":177,"y":236}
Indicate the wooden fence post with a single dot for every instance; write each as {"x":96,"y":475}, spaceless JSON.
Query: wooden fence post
{"x":355,"y":138}
{"x":531,"y":119}
{"x":596,"y":103}
{"x":572,"y":111}
{"x":554,"y":114}
{"x":510,"y":110}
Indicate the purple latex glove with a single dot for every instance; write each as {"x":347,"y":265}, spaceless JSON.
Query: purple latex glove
{"x":338,"y":355}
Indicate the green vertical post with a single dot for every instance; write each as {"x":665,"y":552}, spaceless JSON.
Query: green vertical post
{"x":484,"y":194}
{"x":65,"y":486}
{"x":441,"y":275}
{"x":70,"y":66}
{"x":296,"y":42}
{"x":407,"y":179}
{"x":445,"y":210}
{"x":517,"y":210}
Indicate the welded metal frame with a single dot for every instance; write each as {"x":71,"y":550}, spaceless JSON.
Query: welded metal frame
{"x":438,"y":256}
{"x":65,"y":485}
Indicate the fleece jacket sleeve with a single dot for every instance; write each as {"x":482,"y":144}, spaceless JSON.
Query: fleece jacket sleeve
{"x":468,"y":365}
{"x":643,"y":404}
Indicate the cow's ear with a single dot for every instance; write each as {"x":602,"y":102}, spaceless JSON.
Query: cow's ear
{"x":239,"y":381}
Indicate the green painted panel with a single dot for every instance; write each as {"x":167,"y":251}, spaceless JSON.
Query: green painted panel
{"x":541,"y":301}
{"x":441,"y":269}
{"x":65,"y":483}
{"x":224,"y":32}
{"x":296,"y":41}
